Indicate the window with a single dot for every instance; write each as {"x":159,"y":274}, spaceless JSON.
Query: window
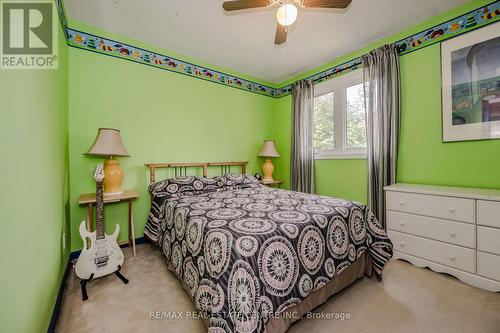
{"x":339,"y":118}
{"x":324,"y":129}
{"x":355,"y":117}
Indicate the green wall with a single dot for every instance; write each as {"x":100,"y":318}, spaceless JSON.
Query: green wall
{"x":163,"y":117}
{"x":344,"y":178}
{"x":423,"y":157}
{"x":34,"y":193}
{"x":281,"y":123}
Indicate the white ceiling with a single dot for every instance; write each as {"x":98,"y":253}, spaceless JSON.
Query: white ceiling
{"x":244,"y":41}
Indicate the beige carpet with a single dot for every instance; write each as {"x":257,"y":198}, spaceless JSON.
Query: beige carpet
{"x":409,"y":299}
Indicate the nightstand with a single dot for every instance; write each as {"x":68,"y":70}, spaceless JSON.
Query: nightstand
{"x":274,"y":183}
{"x":130,"y":196}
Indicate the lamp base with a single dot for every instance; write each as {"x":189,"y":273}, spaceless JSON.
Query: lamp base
{"x":113,"y":177}
{"x":267,"y":170}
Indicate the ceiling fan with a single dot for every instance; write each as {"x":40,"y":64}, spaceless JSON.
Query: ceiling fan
{"x":287,"y":12}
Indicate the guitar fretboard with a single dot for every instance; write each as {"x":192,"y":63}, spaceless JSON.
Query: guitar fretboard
{"x":99,"y":203}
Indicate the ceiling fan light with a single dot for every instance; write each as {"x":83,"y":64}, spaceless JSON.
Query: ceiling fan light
{"x":287,"y":14}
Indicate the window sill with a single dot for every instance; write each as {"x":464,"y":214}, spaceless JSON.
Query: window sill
{"x":341,"y":156}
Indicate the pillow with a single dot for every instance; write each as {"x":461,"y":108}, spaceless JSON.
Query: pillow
{"x":188,"y":185}
{"x":239,"y":181}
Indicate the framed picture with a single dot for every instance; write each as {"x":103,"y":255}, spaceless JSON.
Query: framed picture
{"x":470,"y":66}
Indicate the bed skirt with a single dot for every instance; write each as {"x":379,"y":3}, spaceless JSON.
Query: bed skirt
{"x":359,"y":268}
{"x":362,"y":266}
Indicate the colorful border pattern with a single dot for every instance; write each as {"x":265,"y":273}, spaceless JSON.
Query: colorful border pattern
{"x":62,"y":17}
{"x":457,"y":26}
{"x":328,"y":74}
{"x":469,"y":21}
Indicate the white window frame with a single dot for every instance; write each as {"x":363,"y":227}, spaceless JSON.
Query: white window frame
{"x":339,"y":86}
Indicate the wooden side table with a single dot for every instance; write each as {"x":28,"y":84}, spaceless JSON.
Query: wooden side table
{"x":274,"y":183}
{"x":129,"y":195}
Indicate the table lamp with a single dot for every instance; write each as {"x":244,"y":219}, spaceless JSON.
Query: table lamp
{"x":268,"y":150}
{"x":109,"y":143}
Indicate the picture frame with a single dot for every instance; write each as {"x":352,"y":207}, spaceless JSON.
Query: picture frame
{"x":470,"y":73}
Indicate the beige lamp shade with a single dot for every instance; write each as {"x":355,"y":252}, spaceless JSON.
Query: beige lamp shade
{"x":108,"y":143}
{"x":268,"y":149}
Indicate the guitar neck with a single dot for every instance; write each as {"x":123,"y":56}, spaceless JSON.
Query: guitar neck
{"x":99,"y":211}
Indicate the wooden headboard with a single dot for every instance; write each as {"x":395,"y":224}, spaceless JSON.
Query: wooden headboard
{"x":180,"y":169}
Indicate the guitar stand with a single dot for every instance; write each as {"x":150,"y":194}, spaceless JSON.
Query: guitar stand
{"x":83,"y":283}
{"x":123,"y":278}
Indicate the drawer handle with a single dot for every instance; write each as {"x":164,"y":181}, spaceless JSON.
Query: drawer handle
{"x":452,"y":233}
{"x":402,"y":243}
{"x":401,"y":203}
{"x":402,"y":223}
{"x":451,"y":209}
{"x":452,"y":257}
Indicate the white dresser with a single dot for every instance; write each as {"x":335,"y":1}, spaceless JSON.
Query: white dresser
{"x":448,"y":229}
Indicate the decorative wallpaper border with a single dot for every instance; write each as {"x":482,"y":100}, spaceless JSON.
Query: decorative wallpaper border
{"x":452,"y":28}
{"x":62,"y":17}
{"x":469,"y":21}
{"x":325,"y":75}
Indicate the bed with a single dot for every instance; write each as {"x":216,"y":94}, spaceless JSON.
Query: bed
{"x":254,"y":258}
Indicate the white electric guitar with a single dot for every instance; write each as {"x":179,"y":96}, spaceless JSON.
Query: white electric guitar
{"x":101,"y":254}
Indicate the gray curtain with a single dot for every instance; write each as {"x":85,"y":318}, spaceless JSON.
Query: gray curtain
{"x":383,"y":105}
{"x":302,"y":159}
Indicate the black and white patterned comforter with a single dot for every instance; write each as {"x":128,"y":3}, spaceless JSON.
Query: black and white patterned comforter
{"x":247,"y":252}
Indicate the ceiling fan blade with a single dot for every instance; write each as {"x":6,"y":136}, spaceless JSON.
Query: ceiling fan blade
{"x":281,"y":33}
{"x":244,"y":4}
{"x":326,"y":3}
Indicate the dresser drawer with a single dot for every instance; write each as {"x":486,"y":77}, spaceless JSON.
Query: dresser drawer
{"x":488,"y":239}
{"x":449,"y":208}
{"x":458,"y":233}
{"x":442,"y":253}
{"x":488,"y":265}
{"x":488,"y":213}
